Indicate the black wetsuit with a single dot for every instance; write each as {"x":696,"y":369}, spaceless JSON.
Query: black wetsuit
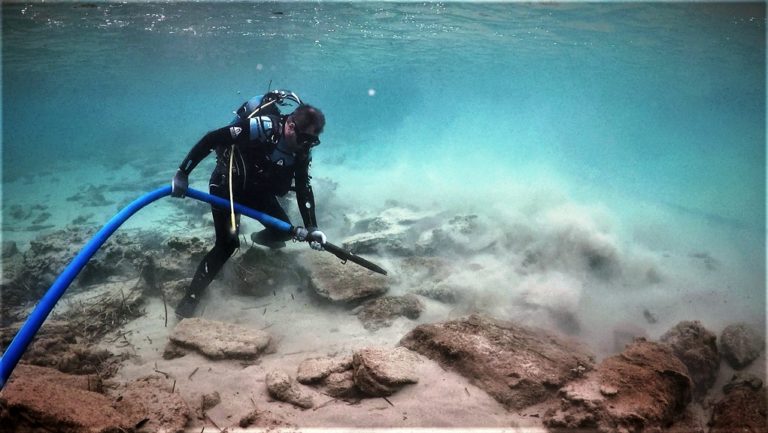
{"x":261,"y":171}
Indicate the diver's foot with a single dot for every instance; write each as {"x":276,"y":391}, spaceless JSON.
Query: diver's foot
{"x":187,"y":307}
{"x":267,"y":239}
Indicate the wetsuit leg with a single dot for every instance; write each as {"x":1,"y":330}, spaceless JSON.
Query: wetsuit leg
{"x":226,"y":244}
{"x":270,"y":237}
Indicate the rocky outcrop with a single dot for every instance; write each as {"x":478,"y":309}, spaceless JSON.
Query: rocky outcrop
{"x":741,"y":345}
{"x":284,"y":388}
{"x":642,"y":389}
{"x":219,"y":340}
{"x":697,"y":348}
{"x":342,"y":283}
{"x":150,"y":402}
{"x":381,"y":312}
{"x":28,"y":275}
{"x":380,"y":372}
{"x":516,"y":365}
{"x":57,"y":345}
{"x":32,"y":402}
{"x":742,"y":408}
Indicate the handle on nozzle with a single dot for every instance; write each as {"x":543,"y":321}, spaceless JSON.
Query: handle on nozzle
{"x":345,"y":255}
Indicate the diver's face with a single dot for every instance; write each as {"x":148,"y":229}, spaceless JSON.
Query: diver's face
{"x":299,"y":141}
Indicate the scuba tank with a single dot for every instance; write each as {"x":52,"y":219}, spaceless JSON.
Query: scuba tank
{"x":268,"y":105}
{"x":261,"y":105}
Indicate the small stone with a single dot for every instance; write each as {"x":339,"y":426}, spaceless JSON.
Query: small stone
{"x":282,"y":387}
{"x":608,"y":390}
{"x":741,"y":345}
{"x":341,"y":385}
{"x":210,"y":401}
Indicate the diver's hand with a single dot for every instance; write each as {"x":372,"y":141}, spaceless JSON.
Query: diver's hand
{"x":300,"y":234}
{"x":179,"y":184}
{"x":316,"y":239}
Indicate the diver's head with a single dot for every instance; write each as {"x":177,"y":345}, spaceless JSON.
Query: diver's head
{"x":303,"y":128}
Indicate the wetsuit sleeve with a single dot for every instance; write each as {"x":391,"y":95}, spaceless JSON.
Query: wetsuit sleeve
{"x":304,"y":195}
{"x":235,"y":133}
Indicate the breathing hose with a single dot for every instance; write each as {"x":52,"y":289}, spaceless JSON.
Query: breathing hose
{"x":27,"y":332}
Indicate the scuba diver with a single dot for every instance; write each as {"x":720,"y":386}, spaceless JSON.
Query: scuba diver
{"x":258,"y":156}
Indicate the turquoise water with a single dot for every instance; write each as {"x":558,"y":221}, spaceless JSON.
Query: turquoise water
{"x":653,"y":114}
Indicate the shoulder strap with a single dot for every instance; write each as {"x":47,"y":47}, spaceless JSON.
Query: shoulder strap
{"x":267,"y":129}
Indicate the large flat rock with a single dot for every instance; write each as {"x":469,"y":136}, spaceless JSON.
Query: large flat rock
{"x":516,"y":365}
{"x":342,"y":282}
{"x":219,"y":340}
{"x":42,"y":399}
{"x":645,"y":388}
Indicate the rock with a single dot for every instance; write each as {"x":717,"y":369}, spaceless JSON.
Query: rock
{"x":150,"y":398}
{"x":87,"y":382}
{"x":381,"y":312}
{"x":742,"y":409}
{"x":743,"y":380}
{"x":341,"y":385}
{"x":334,"y":376}
{"x":690,"y":421}
{"x":43,"y":402}
{"x":249,"y":419}
{"x":259,"y":271}
{"x":428,"y":275}
{"x":174,"y":290}
{"x":121,"y":257}
{"x":173,"y":260}
{"x":740,"y":345}
{"x":173,"y":351}
{"x":284,"y":388}
{"x":219,"y":340}
{"x":210,"y":400}
{"x":459,"y":234}
{"x":122,"y":254}
{"x":516,"y":365}
{"x":697,"y":348}
{"x":651,"y":385}
{"x":266,"y":420}
{"x":56,"y":346}
{"x":391,"y":231}
{"x":608,"y":391}
{"x":342,"y":283}
{"x":316,"y":369}
{"x":380,"y":372}
{"x":389,"y":242}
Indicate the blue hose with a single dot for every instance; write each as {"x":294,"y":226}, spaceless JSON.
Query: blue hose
{"x":35,"y":320}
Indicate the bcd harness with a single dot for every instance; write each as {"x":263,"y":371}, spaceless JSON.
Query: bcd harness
{"x":267,"y":105}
